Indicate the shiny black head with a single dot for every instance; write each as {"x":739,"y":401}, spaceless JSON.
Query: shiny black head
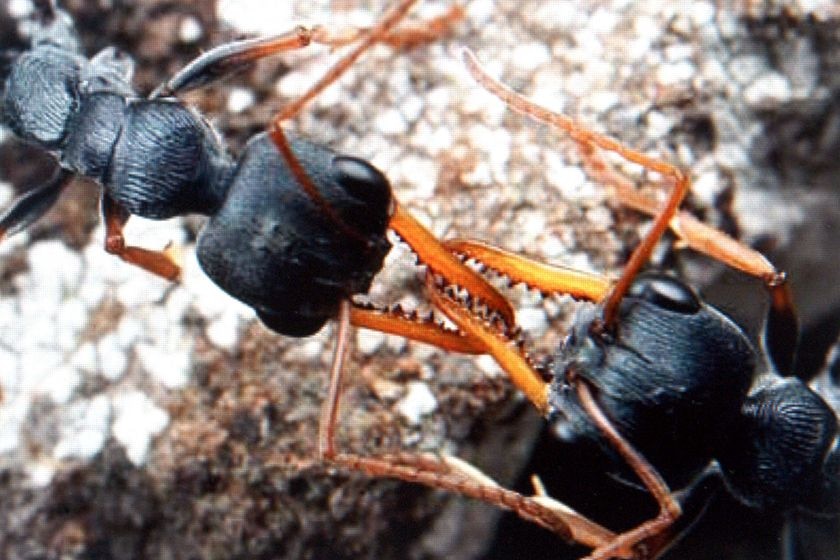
{"x":290,"y":256}
{"x":671,"y":377}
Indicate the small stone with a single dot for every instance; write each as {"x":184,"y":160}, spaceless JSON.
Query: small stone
{"x":137,"y":421}
{"x":418,"y":402}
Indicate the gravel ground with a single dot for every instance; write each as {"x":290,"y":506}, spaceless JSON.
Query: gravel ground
{"x":145,"y":420}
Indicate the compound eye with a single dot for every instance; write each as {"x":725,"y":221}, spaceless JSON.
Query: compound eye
{"x":666,"y":292}
{"x":362,"y":181}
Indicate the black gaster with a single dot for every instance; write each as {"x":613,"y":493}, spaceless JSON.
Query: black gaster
{"x":292,"y":259}
{"x":671,"y":378}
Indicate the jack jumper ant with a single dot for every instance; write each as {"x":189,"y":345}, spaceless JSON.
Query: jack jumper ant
{"x":295,"y":230}
{"x":665,"y":385}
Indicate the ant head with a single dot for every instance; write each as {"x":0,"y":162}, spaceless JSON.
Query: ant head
{"x":670,"y":361}
{"x":666,"y":292}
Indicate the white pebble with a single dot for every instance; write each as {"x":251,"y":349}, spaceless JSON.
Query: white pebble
{"x":224,"y":331}
{"x":489,"y":366}
{"x":256,"y":16}
{"x":368,"y":341}
{"x":391,"y":122}
{"x":769,"y":88}
{"x":239,"y":99}
{"x":532,"y":320}
{"x":190,"y":30}
{"x":137,"y":421}
{"x":171,"y":368}
{"x":60,"y":384}
{"x":84,"y":429}
{"x":19,"y":9}
{"x":675,"y":72}
{"x":418,"y":402}
{"x":112,"y":358}
{"x":40,"y":473}
{"x":530,"y":56}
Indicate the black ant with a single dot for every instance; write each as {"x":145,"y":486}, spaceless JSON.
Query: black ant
{"x":653,"y":376}
{"x":295,"y":229}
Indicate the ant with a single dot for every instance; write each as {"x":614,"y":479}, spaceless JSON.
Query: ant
{"x":665,"y":385}
{"x":295,"y":230}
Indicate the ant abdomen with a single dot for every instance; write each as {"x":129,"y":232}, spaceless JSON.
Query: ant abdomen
{"x":297,"y":256}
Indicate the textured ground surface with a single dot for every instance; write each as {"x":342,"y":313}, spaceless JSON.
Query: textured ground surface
{"x":144,"y":420}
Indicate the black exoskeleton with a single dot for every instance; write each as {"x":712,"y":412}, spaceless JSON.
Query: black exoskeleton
{"x":291,"y":254}
{"x":683,"y":383}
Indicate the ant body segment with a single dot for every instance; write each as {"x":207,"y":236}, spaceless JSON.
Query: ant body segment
{"x":651,"y":375}
{"x":295,"y":230}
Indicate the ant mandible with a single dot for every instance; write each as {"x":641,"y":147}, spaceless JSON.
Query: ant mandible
{"x":662,"y":382}
{"x":295,"y":230}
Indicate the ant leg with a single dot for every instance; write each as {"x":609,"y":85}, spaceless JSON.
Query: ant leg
{"x":669,"y":508}
{"x":547,"y":278}
{"x":376,"y":34}
{"x":31,"y":205}
{"x":161,"y":263}
{"x":453,"y":475}
{"x":782,"y":329}
{"x":581,"y":135}
{"x":694,"y":501}
{"x":397,"y":324}
{"x":409,"y":36}
{"x":329,"y":410}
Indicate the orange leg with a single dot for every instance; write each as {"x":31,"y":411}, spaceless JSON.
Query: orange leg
{"x":449,"y":474}
{"x":782,"y":324}
{"x":162,"y":263}
{"x":669,"y":508}
{"x":329,"y":410}
{"x":682,"y":183}
{"x":393,"y":322}
{"x":408,"y":36}
{"x":376,"y":34}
